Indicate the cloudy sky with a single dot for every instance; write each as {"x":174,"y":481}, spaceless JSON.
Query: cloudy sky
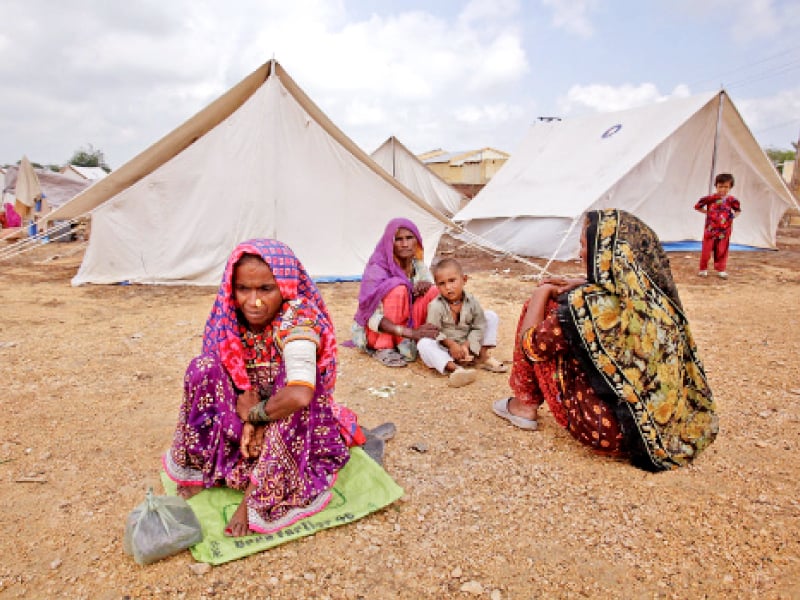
{"x":437,"y":74}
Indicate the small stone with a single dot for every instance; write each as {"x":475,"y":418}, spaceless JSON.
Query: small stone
{"x":795,"y":391}
{"x":761,"y":444}
{"x":55,"y":564}
{"x":200,"y":568}
{"x":472,"y":587}
{"x":420,"y":447}
{"x":456,"y":573}
{"x":496,"y":595}
{"x":765,"y":414}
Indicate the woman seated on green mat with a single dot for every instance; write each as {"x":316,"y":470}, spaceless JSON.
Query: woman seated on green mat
{"x":258,"y":413}
{"x":612,"y":354}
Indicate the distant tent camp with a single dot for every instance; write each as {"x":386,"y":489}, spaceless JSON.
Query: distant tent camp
{"x":260,"y":161}
{"x":56,"y":188}
{"x":654,"y":161}
{"x":403,"y":165}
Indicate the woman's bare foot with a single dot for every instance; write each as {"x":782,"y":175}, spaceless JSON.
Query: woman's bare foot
{"x":238,"y":525}
{"x":188,"y":491}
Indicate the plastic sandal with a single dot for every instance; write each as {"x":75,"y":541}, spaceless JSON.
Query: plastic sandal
{"x":500,"y":408}
{"x":493,"y":365}
{"x":461,"y":377}
{"x":390,"y":358}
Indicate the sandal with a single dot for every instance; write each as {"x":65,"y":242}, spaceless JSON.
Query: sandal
{"x":493,"y":365}
{"x":385,"y":431}
{"x":461,"y":377}
{"x":500,"y":408}
{"x":389,"y":357}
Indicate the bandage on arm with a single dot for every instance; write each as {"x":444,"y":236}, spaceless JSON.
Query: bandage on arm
{"x":300,"y":358}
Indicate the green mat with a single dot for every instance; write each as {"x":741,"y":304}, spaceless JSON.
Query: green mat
{"x":362,"y":487}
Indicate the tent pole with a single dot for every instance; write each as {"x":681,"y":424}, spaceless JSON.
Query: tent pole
{"x":394,"y":173}
{"x":716,"y":142}
{"x":795,"y":183}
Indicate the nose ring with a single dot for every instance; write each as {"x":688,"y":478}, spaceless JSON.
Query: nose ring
{"x":258,"y":303}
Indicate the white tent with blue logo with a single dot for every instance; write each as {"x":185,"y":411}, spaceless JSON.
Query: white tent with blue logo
{"x":654,"y":161}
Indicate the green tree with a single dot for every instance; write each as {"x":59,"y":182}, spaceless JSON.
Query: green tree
{"x":89,"y":157}
{"x":779,"y":156}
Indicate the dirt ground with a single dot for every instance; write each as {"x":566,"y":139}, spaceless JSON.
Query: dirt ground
{"x":93,"y":383}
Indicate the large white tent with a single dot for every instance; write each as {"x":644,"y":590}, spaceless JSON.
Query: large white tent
{"x":260,"y":161}
{"x":655,"y":162}
{"x":403,"y":165}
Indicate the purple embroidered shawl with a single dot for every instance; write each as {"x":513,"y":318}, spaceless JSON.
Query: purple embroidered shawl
{"x":382,"y":272}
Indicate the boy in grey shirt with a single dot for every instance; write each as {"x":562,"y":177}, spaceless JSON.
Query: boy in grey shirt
{"x":466,"y":331}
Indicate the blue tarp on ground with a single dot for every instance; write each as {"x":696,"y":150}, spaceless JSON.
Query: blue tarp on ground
{"x":694,"y":246}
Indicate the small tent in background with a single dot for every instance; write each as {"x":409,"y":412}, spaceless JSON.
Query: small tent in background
{"x":654,"y":161}
{"x":56,"y":188}
{"x":83,"y":173}
{"x":27,"y":190}
{"x":401,"y":164}
{"x":260,"y":161}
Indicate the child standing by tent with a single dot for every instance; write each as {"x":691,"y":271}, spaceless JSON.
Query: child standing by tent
{"x":720,"y":210}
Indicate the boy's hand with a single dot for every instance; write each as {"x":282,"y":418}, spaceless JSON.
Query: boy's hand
{"x":457,"y":351}
{"x":468,"y":358}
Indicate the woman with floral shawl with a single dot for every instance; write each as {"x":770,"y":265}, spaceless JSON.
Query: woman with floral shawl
{"x":613,"y":355}
{"x":258,"y":413}
{"x":396,"y":289}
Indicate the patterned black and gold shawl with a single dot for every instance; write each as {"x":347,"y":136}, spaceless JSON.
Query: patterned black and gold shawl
{"x":628,"y":326}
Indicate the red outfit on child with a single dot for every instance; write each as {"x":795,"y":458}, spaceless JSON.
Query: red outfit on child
{"x":720,"y":212}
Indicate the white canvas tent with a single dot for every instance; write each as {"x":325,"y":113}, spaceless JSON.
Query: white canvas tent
{"x":403,"y":165}
{"x":654,"y":161}
{"x":260,"y":161}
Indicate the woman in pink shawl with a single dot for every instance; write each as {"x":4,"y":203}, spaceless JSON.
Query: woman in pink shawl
{"x":12,"y":218}
{"x":396,"y":289}
{"x":258,"y":413}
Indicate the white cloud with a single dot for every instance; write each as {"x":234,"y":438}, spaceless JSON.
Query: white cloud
{"x":488,"y":114}
{"x":608,"y":98}
{"x":480,"y":12}
{"x":572,"y":15}
{"x":680,"y":91}
{"x":456,"y":74}
{"x":747,"y":20}
{"x":363,"y":113}
{"x":778,"y":116}
{"x":135,"y":71}
{"x":502,"y":61}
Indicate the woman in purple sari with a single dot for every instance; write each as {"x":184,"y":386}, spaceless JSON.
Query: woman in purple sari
{"x":393,"y":299}
{"x":258,"y":413}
